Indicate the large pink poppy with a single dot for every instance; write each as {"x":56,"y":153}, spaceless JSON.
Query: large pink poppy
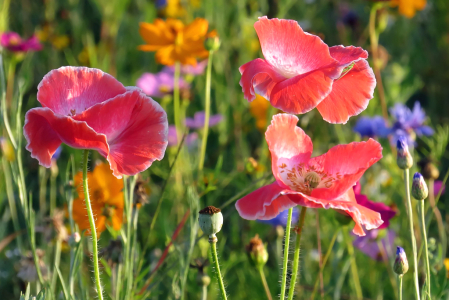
{"x":324,"y":181}
{"x":300,"y":72}
{"x":89,"y":109}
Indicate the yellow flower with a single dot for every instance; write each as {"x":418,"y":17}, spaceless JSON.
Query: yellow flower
{"x":106,"y":198}
{"x":408,"y":8}
{"x":175,"y":42}
{"x":446,"y":264}
{"x":259,"y":109}
{"x":60,"y":41}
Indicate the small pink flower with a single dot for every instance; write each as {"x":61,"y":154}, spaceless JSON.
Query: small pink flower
{"x":300,"y":72}
{"x":13,"y":42}
{"x":324,"y":181}
{"x":89,"y":109}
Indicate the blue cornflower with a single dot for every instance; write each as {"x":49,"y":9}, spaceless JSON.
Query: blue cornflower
{"x":281,"y":219}
{"x":409,"y":122}
{"x":161,"y":3}
{"x":372,"y":127}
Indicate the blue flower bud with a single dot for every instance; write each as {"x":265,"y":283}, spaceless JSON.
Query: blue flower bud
{"x":404,"y":158}
{"x":419,"y":187}
{"x":400,"y":266}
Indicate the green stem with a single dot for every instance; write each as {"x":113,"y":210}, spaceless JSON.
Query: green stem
{"x":265,"y":284}
{"x":426,"y":252}
{"x":56,"y":264}
{"x":207,"y":112}
{"x":412,"y":233}
{"x":298,"y":230}
{"x":217,"y":270}
{"x":92,"y":227}
{"x":355,"y":273}
{"x":204,"y":294}
{"x":400,"y":287}
{"x":176,"y":101}
{"x":286,"y":249}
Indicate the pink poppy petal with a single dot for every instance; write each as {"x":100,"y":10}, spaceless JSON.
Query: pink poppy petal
{"x":286,"y":140}
{"x":361,"y":215}
{"x":345,"y":164}
{"x":142,"y":140}
{"x":350,"y":94}
{"x":289,"y":49}
{"x":346,"y":55}
{"x":384,"y":210}
{"x":301,"y":93}
{"x":71,"y":90}
{"x":45,"y":130}
{"x":259,"y":77}
{"x":264,"y":203}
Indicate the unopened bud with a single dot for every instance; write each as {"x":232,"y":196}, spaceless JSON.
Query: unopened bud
{"x":428,"y":169}
{"x":203,"y":279}
{"x":211,"y":221}
{"x":419,"y":187}
{"x":74,"y":239}
{"x":400,"y":266}
{"x":256,"y":251}
{"x":404,"y":158}
{"x":212,"y":42}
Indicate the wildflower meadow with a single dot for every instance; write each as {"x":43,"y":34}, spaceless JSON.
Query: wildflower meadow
{"x":239,"y":149}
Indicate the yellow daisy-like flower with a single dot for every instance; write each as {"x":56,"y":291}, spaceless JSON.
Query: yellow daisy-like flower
{"x":106,"y":197}
{"x":259,"y":109}
{"x":175,"y":42}
{"x":408,"y":8}
{"x":446,"y":264}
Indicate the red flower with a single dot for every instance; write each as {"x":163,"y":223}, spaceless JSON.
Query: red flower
{"x":324,"y":181}
{"x":386,"y":212}
{"x":89,"y":109}
{"x":300,"y":72}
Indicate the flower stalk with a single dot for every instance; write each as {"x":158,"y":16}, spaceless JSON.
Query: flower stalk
{"x":176,"y":100}
{"x":426,"y":247}
{"x":286,"y":247}
{"x":92,"y":227}
{"x":298,"y":230}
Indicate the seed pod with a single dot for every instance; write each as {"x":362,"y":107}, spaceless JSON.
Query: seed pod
{"x":210,"y":220}
{"x":256,"y":251}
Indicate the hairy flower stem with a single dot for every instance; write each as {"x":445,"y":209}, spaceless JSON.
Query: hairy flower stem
{"x":298,"y":230}
{"x":400,"y":287}
{"x":426,"y":251}
{"x":92,"y":227}
{"x":176,"y":101}
{"x":286,"y":248}
{"x":265,"y":284}
{"x":354,"y":272}
{"x":217,"y":268}
{"x":412,"y":232}
{"x":207,"y":112}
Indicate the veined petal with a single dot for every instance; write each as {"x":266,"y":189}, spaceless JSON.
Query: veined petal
{"x":286,"y":140}
{"x":290,"y":50}
{"x":71,"y":90}
{"x":264,"y":203}
{"x":347,"y":55}
{"x":44,"y":131}
{"x":345,"y":164}
{"x":350,"y":94}
{"x":258,"y":76}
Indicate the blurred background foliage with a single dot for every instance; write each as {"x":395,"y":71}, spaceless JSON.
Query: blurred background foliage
{"x":414,"y":63}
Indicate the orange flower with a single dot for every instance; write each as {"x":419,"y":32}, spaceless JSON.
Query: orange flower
{"x":175,"y":42}
{"x":408,"y":8}
{"x":259,"y":109}
{"x":106,"y":198}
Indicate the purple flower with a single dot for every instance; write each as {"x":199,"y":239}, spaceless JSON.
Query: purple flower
{"x":369,"y":244}
{"x":57,"y":153}
{"x":371,"y":127}
{"x":173,"y":138}
{"x":437,"y":186}
{"x":159,"y":84}
{"x":13,"y":42}
{"x":198,"y":120}
{"x":281,"y":219}
{"x":408,"y":121}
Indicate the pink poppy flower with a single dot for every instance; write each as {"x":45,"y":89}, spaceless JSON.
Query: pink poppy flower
{"x":324,"y":181}
{"x":89,"y":109}
{"x":13,"y":42}
{"x":300,"y":72}
{"x":386,"y":212}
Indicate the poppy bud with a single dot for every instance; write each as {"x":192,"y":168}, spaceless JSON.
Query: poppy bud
{"x":211,"y":221}
{"x":404,"y":158}
{"x":419,"y":187}
{"x":74,"y":239}
{"x":212,"y":43}
{"x":256,"y":251}
{"x":400,"y":266}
